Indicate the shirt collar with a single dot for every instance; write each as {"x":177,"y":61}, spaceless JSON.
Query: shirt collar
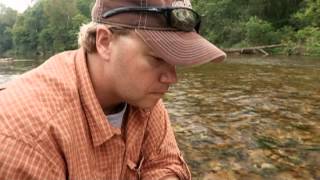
{"x":100,"y":129}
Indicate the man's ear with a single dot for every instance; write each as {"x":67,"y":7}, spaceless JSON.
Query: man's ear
{"x":103,"y":41}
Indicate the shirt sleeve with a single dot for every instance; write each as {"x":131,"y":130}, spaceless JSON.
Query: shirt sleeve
{"x":162,"y":156}
{"x":19,"y":160}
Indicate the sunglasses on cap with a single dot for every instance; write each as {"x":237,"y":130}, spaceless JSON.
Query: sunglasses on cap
{"x":180,"y":18}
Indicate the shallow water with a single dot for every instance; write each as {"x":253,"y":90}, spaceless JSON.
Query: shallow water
{"x":247,"y":118}
{"x":10,"y":70}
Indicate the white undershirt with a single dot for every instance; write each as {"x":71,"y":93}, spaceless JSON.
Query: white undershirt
{"x":116,"y":119}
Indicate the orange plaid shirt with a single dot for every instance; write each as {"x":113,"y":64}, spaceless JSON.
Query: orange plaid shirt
{"x":53,"y":128}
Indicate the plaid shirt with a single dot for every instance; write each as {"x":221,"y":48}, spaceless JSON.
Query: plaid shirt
{"x":53,"y":128}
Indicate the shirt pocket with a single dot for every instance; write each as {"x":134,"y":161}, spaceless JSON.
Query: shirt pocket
{"x":134,"y":169}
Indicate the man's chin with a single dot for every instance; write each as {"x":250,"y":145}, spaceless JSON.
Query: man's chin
{"x":147,"y":104}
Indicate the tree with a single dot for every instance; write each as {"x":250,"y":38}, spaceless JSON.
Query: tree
{"x":27,"y":29}
{"x":84,"y":7}
{"x":60,"y":14}
{"x":48,"y":27}
{"x":260,"y":32}
{"x":277,"y":12}
{"x":309,"y":15}
{"x":7,"y":19}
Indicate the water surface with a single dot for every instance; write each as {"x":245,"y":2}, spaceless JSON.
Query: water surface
{"x":249,"y":118}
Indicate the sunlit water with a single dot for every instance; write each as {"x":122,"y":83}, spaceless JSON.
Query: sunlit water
{"x":247,"y":118}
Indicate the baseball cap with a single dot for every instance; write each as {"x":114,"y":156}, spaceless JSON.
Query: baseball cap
{"x":155,"y":22}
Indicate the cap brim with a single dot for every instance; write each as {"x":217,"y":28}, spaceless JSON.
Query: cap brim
{"x":181,"y":48}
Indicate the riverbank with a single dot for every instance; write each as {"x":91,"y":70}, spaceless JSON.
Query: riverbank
{"x":275,"y":49}
{"x":6,"y":59}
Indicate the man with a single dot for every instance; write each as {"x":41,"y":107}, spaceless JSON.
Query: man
{"x":96,"y":112}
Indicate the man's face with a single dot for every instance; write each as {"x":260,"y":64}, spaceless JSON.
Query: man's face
{"x":140,"y":77}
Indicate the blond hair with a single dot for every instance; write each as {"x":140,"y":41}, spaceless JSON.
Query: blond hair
{"x":87,"y":35}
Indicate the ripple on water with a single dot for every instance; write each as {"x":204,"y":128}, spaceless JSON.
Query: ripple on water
{"x":249,"y":121}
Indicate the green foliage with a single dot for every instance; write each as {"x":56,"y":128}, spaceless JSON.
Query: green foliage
{"x":51,"y":26}
{"x":84,"y":6}
{"x":48,"y":27}
{"x":276,"y":12}
{"x":222,"y":20}
{"x":310,"y":37}
{"x":7,"y":19}
{"x":310,"y":14}
{"x":60,"y":15}
{"x":26,"y":30}
{"x":260,"y":32}
{"x":231,"y":23}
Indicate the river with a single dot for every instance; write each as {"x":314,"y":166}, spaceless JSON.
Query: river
{"x":249,"y":118}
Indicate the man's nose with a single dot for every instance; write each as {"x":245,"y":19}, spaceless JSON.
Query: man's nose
{"x":169,"y":76}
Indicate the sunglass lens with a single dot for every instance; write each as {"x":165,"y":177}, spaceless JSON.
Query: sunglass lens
{"x":183,"y":19}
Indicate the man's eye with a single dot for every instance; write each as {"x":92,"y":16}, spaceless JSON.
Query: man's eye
{"x":157,"y":58}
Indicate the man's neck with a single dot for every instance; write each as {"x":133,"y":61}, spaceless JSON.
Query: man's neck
{"x":109,"y":101}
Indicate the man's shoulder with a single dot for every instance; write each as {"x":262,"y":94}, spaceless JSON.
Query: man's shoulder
{"x":30,"y":102}
{"x":65,"y":56}
{"x":52,"y":83}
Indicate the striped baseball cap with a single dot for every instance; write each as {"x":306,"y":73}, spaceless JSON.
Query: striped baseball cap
{"x":168,"y":27}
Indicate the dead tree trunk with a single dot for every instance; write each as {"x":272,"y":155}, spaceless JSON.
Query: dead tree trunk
{"x":253,"y":50}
